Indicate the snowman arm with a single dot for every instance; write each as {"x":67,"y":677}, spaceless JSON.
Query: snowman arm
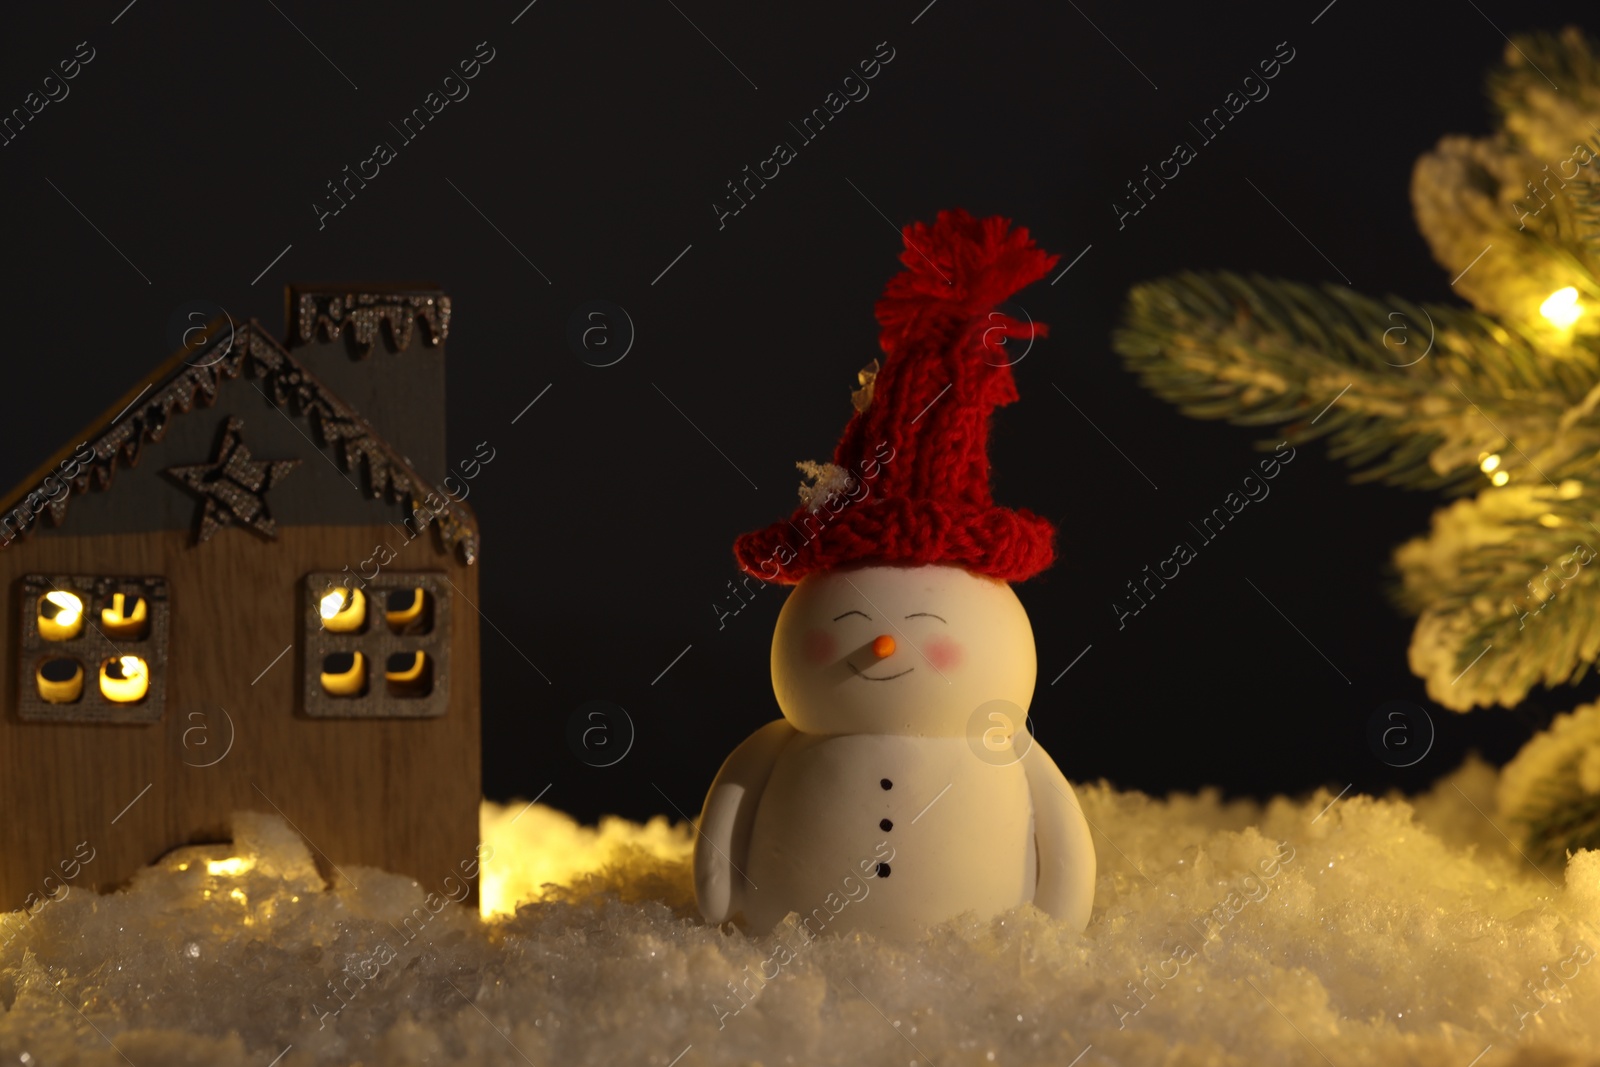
{"x":722,"y":846}
{"x":1066,"y":851}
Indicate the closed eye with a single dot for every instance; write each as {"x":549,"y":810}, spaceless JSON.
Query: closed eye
{"x":928,"y":614}
{"x":863,"y":614}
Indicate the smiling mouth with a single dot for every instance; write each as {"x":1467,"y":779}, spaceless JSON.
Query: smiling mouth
{"x":881,"y":677}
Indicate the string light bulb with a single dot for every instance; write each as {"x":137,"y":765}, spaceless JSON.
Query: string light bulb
{"x":1561,"y":307}
{"x":1500,"y":478}
{"x":1488,"y":462}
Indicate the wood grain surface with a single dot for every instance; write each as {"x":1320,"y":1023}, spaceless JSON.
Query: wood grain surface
{"x":401,"y":794}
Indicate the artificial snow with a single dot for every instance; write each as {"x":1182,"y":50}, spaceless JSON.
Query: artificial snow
{"x":1330,"y":930}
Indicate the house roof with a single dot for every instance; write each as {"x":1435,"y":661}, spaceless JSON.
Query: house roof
{"x":191,"y":379}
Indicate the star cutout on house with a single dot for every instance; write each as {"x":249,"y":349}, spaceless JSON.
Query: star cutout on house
{"x":233,"y":485}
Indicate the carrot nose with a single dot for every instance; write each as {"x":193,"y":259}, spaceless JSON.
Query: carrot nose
{"x":883,"y":646}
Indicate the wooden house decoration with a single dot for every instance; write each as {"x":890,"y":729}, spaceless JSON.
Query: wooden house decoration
{"x":250,"y":585}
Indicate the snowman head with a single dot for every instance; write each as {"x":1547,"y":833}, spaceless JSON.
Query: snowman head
{"x":909,"y":650}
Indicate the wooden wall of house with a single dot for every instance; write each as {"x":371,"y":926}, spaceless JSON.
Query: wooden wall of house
{"x":393,"y":793}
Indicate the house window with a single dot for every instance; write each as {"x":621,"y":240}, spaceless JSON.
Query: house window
{"x":344,"y":674}
{"x":94,"y":648}
{"x":343,"y":611}
{"x":124,"y":679}
{"x":406,"y":610}
{"x":60,"y":615}
{"x":378,"y":648}
{"x":127,"y":617}
{"x":408,"y":674}
{"x":60,"y":679}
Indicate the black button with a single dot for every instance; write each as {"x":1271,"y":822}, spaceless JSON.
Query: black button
{"x":885,"y":824}
{"x":886,"y":784}
{"x":883,"y":870}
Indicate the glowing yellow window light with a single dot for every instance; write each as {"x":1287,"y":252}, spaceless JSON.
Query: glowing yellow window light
{"x":407,"y":618}
{"x":408,"y":674}
{"x":344,"y":683}
{"x":343,"y":611}
{"x":419,"y":663}
{"x":60,"y":681}
{"x":124,"y":619}
{"x":1561,"y":307}
{"x":60,"y":616}
{"x":124,"y":679}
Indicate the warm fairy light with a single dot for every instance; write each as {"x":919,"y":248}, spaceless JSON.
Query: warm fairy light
{"x":238,"y":895}
{"x":1500,"y":478}
{"x":1488,"y":463}
{"x":1550,"y":520}
{"x":122,"y":619}
{"x":343,"y":610}
{"x":133,"y":683}
{"x":231,"y":865}
{"x":60,"y":616}
{"x":1561,"y":307}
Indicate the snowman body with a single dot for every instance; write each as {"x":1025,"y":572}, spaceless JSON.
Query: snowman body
{"x":901,"y":788}
{"x":884,"y":833}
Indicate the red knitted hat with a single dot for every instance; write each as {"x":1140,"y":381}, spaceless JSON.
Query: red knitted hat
{"x":909,"y":482}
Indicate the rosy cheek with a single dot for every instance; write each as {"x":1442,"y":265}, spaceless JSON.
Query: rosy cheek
{"x":820,"y":647}
{"x":944,"y":653}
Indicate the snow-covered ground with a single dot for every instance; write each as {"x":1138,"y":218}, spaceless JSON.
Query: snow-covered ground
{"x":1345,"y":932}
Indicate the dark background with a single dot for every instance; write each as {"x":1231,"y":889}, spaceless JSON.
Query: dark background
{"x":199,"y":137}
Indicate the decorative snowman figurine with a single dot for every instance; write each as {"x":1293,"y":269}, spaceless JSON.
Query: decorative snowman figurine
{"x":900,"y":788}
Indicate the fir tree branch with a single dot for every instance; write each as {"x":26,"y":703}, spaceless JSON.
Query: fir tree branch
{"x":1523,"y":584}
{"x":1567,"y":820}
{"x":1550,"y":788}
{"x":1586,"y":207}
{"x":1567,"y":228}
{"x":1421,"y":391}
{"x":1537,"y":61}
